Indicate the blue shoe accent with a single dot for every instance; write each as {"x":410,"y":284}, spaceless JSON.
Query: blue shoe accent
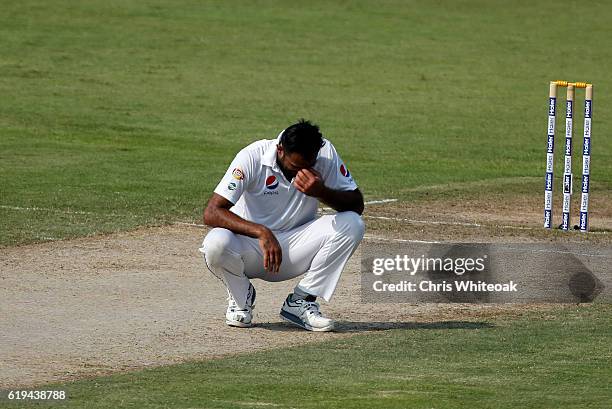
{"x":252,"y":294}
{"x":292,"y":318}
{"x":305,"y":314}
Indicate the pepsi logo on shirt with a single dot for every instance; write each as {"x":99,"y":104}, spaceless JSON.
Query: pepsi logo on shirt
{"x":271,"y":182}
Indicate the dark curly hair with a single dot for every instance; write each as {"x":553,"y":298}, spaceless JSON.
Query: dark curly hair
{"x":304,"y":138}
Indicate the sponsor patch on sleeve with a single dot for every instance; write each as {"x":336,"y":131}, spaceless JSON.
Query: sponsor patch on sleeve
{"x":344,"y":171}
{"x":238,"y":174}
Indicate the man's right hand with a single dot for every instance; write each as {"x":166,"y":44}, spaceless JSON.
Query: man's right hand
{"x":217,"y":214}
{"x":271,"y":249}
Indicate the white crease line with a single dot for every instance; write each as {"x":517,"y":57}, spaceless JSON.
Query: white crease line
{"x":514,"y":227}
{"x":190,"y":224}
{"x":43,"y":209}
{"x":367,"y":236}
{"x":399,"y":219}
{"x":380,"y":201}
{"x":47,"y":238}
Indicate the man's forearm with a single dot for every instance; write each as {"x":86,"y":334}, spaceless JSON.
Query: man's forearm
{"x":220,"y":217}
{"x":342,"y":201}
{"x":217,"y":214}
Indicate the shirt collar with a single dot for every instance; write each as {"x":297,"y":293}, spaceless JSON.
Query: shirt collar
{"x":269,"y":158}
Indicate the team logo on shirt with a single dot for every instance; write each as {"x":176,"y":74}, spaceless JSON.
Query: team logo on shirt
{"x":238,"y":174}
{"x":344,"y":171}
{"x":271,"y":182}
{"x":232,"y":186}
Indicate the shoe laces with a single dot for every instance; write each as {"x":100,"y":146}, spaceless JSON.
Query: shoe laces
{"x":310,"y":307}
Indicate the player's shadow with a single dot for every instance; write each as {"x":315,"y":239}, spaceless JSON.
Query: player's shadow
{"x":357,"y":326}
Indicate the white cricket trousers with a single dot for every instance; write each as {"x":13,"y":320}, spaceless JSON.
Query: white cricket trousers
{"x":319,"y":249}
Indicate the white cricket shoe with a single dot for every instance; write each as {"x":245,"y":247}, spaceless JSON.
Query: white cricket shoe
{"x":236,"y":317}
{"x":305,"y":314}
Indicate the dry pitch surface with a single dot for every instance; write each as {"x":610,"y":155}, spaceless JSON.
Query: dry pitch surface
{"x":91,"y":306}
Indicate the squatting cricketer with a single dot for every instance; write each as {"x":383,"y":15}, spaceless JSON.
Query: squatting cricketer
{"x":265,"y":225}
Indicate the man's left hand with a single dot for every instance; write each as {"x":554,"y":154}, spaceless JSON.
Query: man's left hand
{"x":309,"y":182}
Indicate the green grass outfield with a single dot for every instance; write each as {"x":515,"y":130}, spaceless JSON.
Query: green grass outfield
{"x":116,"y":114}
{"x":554,"y":359}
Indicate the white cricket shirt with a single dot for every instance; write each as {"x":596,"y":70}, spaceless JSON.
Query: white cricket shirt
{"x":261,"y":193}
